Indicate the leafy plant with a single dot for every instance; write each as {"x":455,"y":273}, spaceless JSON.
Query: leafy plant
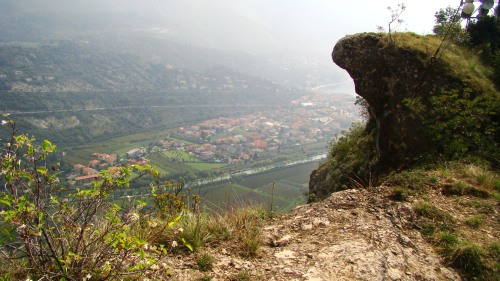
{"x":76,"y":235}
{"x":351,"y":161}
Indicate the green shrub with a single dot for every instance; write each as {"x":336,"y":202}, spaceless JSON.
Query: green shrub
{"x":350,"y":161}
{"x":72,"y":235}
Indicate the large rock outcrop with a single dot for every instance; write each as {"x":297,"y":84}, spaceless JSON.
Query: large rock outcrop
{"x":385,"y":76}
{"x":420,"y":106}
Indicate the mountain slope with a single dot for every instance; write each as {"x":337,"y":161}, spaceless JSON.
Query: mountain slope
{"x":106,"y":94}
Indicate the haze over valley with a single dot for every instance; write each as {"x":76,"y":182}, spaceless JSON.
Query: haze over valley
{"x":201,"y":89}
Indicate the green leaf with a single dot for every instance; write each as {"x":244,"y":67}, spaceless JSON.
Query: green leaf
{"x":5,"y":202}
{"x":31,"y":150}
{"x":172,"y":223}
{"x":48,"y":146}
{"x":187,"y":244}
{"x":8,"y":178}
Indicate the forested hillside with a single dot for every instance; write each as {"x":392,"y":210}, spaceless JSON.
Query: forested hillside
{"x":71,"y":87}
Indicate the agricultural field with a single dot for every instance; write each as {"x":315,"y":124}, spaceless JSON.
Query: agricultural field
{"x":290,"y":184}
{"x":118,"y":145}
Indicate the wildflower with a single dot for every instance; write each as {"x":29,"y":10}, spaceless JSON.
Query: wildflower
{"x":174,"y":244}
{"x":88,"y":276}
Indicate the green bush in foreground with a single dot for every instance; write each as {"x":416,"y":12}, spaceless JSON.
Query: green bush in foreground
{"x":49,"y":232}
{"x":78,"y":235}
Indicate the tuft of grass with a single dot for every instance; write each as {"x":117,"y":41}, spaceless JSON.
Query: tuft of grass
{"x":400,"y":194}
{"x":494,"y":250}
{"x":415,"y":180}
{"x":241,"y":227}
{"x":205,"y":262}
{"x":447,"y":240}
{"x":246,"y":228}
{"x":241,"y":276}
{"x":427,"y":228}
{"x":454,"y":189}
{"x":432,"y":219}
{"x":195,"y":232}
{"x":480,"y":205}
{"x":205,"y":278}
{"x":432,"y":212}
{"x":250,"y":242}
{"x":496,"y":185}
{"x":219,"y":228}
{"x":474,"y":222}
{"x":461,"y":189}
{"x":467,"y":257}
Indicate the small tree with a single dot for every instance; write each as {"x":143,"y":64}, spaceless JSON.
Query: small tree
{"x":66,"y":235}
{"x":448,"y":24}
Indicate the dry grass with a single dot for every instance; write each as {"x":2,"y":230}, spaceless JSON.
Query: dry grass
{"x":463,"y":62}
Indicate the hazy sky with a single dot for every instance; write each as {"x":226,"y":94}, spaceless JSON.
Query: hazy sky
{"x":315,"y":24}
{"x":255,"y":26}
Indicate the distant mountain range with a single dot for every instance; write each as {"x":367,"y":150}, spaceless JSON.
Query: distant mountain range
{"x":191,"y":34}
{"x":82,"y":71}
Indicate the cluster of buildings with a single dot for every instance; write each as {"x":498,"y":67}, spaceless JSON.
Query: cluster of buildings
{"x":87,"y":173}
{"x":308,"y":120}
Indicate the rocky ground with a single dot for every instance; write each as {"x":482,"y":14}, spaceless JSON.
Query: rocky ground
{"x":357,"y":234}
